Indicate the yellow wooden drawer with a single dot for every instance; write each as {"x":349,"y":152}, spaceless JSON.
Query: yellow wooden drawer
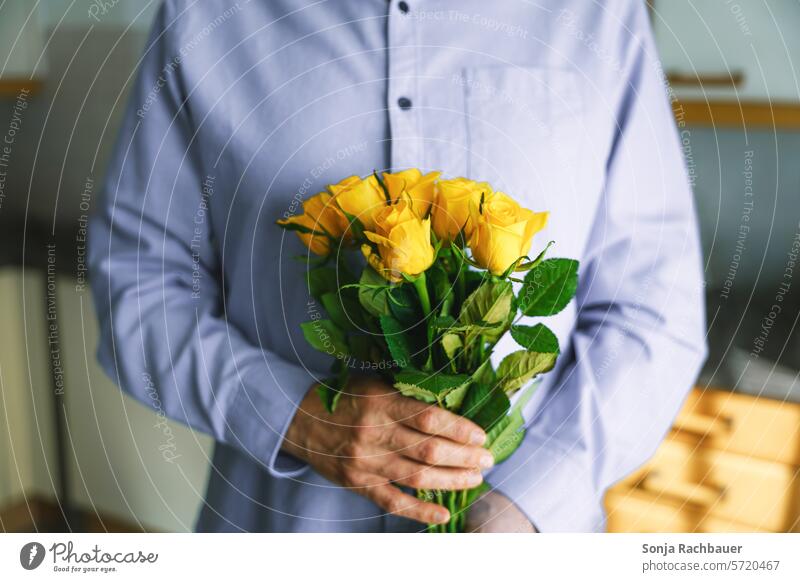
{"x":738,"y":423}
{"x":632,"y":510}
{"x":748,"y":490}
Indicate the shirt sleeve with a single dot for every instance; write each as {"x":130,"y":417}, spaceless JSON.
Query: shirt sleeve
{"x":639,"y":339}
{"x":155,"y":277}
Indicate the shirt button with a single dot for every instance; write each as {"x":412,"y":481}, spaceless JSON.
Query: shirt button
{"x":403,"y":7}
{"x":404,"y":103}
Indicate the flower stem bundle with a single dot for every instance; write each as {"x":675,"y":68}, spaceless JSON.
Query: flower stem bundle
{"x":446,"y":274}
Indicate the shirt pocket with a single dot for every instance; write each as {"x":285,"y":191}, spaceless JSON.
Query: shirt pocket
{"x":525,"y":131}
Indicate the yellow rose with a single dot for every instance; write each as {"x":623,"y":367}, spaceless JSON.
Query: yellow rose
{"x":502,"y":232}
{"x":451,"y":212}
{"x":404,"y":242}
{"x":420,"y":188}
{"x":362,"y":198}
{"x":322,"y":216}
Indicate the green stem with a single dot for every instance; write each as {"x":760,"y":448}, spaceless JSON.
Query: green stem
{"x":462,"y":515}
{"x":447,"y":303}
{"x":481,"y":350}
{"x":451,"y":505}
{"x":421,"y":285}
{"x":440,"y":528}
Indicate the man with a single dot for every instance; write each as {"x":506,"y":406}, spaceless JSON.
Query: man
{"x":241,"y":110}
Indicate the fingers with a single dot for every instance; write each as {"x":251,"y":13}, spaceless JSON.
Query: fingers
{"x":391,"y":499}
{"x":412,"y":474}
{"x":437,"y":421}
{"x":438,"y":451}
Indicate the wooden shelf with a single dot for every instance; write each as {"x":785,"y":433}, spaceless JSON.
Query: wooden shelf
{"x":731,"y":79}
{"x":13,"y":87}
{"x":746,"y":114}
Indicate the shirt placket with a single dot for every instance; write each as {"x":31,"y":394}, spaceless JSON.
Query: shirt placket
{"x":403,"y":104}
{"x":403,"y":98}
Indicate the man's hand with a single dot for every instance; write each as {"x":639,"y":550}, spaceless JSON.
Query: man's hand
{"x":378,"y":437}
{"x":496,"y":513}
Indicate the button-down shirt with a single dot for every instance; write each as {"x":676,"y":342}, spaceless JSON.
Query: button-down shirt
{"x":242,"y":109}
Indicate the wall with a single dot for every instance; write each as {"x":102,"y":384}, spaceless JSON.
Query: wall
{"x":69,"y":128}
{"x":26,"y":412}
{"x":720,"y":160}
{"x":117,"y":464}
{"x":21,"y":39}
{"x":715,"y":36}
{"x":129,"y":462}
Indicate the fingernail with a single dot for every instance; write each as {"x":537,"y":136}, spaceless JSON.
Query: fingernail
{"x":475,"y":479}
{"x":487,"y":461}
{"x":442,"y":517}
{"x":478,"y":437}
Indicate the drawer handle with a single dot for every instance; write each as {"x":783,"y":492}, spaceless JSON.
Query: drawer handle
{"x":696,"y":494}
{"x":704,"y":424}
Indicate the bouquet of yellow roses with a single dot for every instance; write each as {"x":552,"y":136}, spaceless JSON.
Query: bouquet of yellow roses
{"x":433,"y":297}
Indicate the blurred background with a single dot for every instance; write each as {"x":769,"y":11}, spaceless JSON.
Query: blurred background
{"x":75,"y":453}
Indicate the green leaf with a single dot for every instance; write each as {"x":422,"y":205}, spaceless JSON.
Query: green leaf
{"x":443,"y":322}
{"x":323,"y":335}
{"x":496,"y":430}
{"x":373,"y":292}
{"x":329,"y":393}
{"x":535,"y":262}
{"x":483,"y":381}
{"x":441,"y":287}
{"x":293,"y":226}
{"x":436,"y":383}
{"x":455,"y":397}
{"x":339,"y":314}
{"x":517,"y":368}
{"x":549,"y":287}
{"x":485,"y":374}
{"x":489,"y":304}
{"x":451,"y":344}
{"x":414,"y":391}
{"x":323,"y":280}
{"x":507,"y":426}
{"x":430,"y":387}
{"x":403,"y":303}
{"x":477,"y":327}
{"x":395,"y":335}
{"x":330,"y":389}
{"x":361,"y":346}
{"x":356,"y":229}
{"x":493,"y":411}
{"x":505,"y":437}
{"x":477,"y":396}
{"x":537,"y":338}
{"x":506,"y":443}
{"x":474,"y":279}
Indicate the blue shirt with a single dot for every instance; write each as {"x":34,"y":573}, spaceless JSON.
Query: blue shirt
{"x":240,"y":110}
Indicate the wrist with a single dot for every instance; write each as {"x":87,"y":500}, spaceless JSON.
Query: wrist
{"x":295,"y":440}
{"x":495,"y":513}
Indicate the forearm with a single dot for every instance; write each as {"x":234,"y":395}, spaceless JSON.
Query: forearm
{"x":604,"y":412}
{"x":639,"y":336}
{"x":181,"y":360}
